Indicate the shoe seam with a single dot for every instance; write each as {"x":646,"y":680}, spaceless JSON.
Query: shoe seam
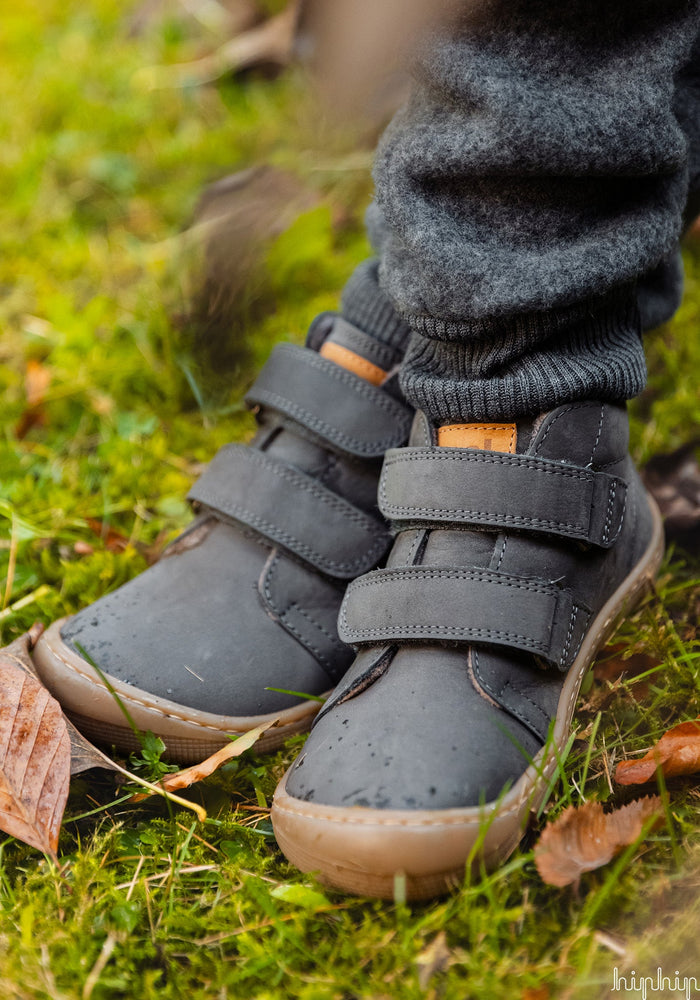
{"x":283,"y":618}
{"x":128,"y":696}
{"x":556,"y":419}
{"x":597,"y":438}
{"x":335,"y":502}
{"x":376,"y":817}
{"x":510,"y":709}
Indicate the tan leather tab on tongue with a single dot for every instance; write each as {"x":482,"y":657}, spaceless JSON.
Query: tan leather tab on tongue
{"x":355,"y":363}
{"x":488,"y":437}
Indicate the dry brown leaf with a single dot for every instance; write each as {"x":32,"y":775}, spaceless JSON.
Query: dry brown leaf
{"x":614,"y":662}
{"x":190,"y":775}
{"x":35,"y":759}
{"x":584,"y":838}
{"x":36,"y":383}
{"x":676,"y":753}
{"x":536,"y":993}
{"x":115,"y":541}
{"x":40,"y":749}
{"x":112,"y":539}
{"x":83,"y":754}
{"x":37,"y":379}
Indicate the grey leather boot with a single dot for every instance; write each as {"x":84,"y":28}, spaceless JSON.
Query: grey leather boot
{"x":246,"y":599}
{"x":517,"y":549}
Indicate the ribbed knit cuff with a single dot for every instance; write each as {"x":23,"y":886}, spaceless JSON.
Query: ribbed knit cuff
{"x":368,"y":307}
{"x":525,"y":365}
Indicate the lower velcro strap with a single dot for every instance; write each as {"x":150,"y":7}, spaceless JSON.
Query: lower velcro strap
{"x":291,"y":509}
{"x":344,"y":410}
{"x":517,"y":492}
{"x":471,"y":605}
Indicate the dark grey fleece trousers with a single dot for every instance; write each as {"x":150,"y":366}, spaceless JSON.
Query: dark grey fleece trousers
{"x":530,"y":198}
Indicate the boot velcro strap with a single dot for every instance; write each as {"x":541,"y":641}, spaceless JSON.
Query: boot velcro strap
{"x":291,"y":509}
{"x":470,"y":605}
{"x":344,"y":410}
{"x":499,"y":490}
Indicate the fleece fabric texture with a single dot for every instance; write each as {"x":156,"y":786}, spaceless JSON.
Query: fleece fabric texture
{"x":530,"y":199}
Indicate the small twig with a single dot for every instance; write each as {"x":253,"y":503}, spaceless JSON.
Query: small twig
{"x":134,"y":880}
{"x":36,"y":595}
{"x":157,"y":790}
{"x":200,"y":839}
{"x":10,"y":580}
{"x":611,"y":943}
{"x":607,"y":766}
{"x":163,"y":876}
{"x":99,"y":966}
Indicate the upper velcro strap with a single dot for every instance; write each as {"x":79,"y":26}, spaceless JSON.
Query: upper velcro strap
{"x":470,"y":605}
{"x":291,"y":509}
{"x":349,"y":413}
{"x":495,"y":489}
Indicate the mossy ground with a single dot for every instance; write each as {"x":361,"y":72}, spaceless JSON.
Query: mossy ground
{"x":98,"y":173}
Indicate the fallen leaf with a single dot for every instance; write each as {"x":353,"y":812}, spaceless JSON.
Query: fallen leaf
{"x":434,"y":958}
{"x":616,"y":665}
{"x":584,"y":838}
{"x":614,"y":662}
{"x":677,"y":752}
{"x":83,"y":754}
{"x":37,"y":379}
{"x":40,"y":749}
{"x":536,"y":993}
{"x":190,"y":775}
{"x":674,"y":481}
{"x":115,"y":541}
{"x":112,"y":539}
{"x":35,"y":759}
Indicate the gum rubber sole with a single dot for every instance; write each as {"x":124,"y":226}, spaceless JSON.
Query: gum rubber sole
{"x":189,"y":735}
{"x":362,"y":851}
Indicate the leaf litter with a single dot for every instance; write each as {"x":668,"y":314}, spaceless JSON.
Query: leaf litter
{"x":675,"y":754}
{"x":35,"y":759}
{"x":584,"y":838}
{"x":40,"y":749}
{"x":197,"y":772}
